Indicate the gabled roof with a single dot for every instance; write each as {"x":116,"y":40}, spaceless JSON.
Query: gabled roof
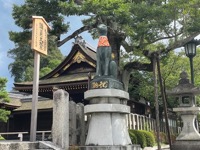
{"x":79,"y":53}
{"x":71,"y":73}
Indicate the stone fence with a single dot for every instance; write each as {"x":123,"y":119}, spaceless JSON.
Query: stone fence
{"x":140,"y":122}
{"x":77,"y":124}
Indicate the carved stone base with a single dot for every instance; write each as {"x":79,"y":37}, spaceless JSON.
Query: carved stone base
{"x":107,"y":126}
{"x":188,"y":116}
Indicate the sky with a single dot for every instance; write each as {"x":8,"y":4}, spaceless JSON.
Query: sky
{"x":7,"y":24}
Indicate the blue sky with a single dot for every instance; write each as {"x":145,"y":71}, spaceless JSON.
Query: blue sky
{"x":7,"y":24}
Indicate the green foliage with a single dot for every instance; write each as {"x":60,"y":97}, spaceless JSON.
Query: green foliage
{"x":142,"y":84}
{"x":137,"y":22}
{"x":22,"y":66}
{"x":4,"y":115}
{"x":2,"y":138}
{"x":135,"y":25}
{"x":133,"y":137}
{"x":3,"y":94}
{"x":149,"y":138}
{"x":141,"y":139}
{"x":4,"y":98}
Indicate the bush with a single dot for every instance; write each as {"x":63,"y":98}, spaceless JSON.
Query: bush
{"x":133,"y":137}
{"x":173,"y":138}
{"x":140,"y":138}
{"x":163,"y":137}
{"x":150,"y":139}
{"x":2,"y":138}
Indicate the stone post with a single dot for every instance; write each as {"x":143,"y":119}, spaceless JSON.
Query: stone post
{"x":60,"y":127}
{"x":81,"y":122}
{"x":72,"y":123}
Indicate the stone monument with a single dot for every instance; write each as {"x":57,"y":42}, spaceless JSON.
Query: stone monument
{"x":60,"y":127}
{"x":189,"y":138}
{"x":108,"y":109}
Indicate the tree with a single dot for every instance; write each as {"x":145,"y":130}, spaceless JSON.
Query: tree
{"x":4,"y":114}
{"x":132,"y":24}
{"x":22,"y":67}
{"x":137,"y":27}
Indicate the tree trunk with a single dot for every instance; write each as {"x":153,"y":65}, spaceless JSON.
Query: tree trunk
{"x":125,"y":79}
{"x":156,"y":102}
{"x":115,"y":42}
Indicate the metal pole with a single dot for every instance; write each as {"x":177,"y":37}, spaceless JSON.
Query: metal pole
{"x":35,"y":97}
{"x":192,"y":81}
{"x":156,"y":102}
{"x":191,"y":70}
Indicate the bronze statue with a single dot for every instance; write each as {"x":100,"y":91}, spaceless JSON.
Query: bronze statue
{"x":105,"y":65}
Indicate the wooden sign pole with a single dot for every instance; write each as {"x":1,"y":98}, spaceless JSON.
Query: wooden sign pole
{"x":35,"y":97}
{"x":39,"y":46}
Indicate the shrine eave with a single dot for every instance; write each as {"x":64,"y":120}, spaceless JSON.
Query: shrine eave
{"x":50,"y":87}
{"x":68,"y":82}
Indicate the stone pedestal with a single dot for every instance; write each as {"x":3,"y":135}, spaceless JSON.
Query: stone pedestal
{"x":108,"y":111}
{"x":189,"y":138}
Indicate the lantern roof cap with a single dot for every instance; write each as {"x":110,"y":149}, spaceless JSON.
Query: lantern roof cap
{"x":184,"y":86}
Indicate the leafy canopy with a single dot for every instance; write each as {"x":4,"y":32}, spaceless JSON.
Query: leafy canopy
{"x":22,"y":67}
{"x":4,"y":98}
{"x":137,"y":29}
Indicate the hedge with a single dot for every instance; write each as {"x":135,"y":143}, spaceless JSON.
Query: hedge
{"x":150,"y":139}
{"x":2,"y":138}
{"x":133,"y":137}
{"x":142,"y":137}
{"x":164,"y":137}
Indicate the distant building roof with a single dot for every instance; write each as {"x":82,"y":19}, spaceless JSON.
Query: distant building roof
{"x":20,"y":101}
{"x":42,"y":105}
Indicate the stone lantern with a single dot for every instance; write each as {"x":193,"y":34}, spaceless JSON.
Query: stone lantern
{"x":189,"y":138}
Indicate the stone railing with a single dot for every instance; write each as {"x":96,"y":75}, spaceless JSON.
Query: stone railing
{"x":43,"y":135}
{"x":20,"y":135}
{"x":140,"y":122}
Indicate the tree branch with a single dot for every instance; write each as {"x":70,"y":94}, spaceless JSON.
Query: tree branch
{"x":75,"y":33}
{"x":138,"y":66}
{"x":178,"y":44}
{"x":173,"y":46}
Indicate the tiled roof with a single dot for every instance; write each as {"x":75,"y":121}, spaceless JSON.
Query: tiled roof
{"x":14,"y":102}
{"x":42,"y":104}
{"x":89,"y":52}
